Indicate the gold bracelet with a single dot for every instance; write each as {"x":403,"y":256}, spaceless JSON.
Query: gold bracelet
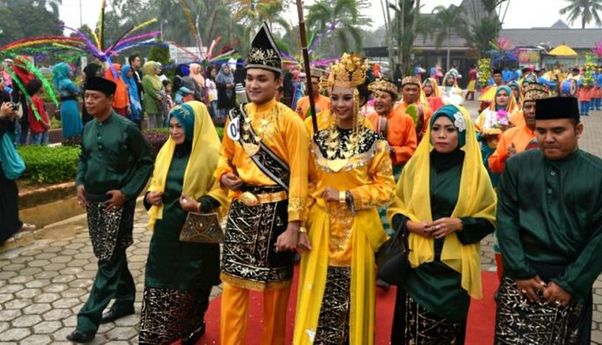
{"x":342,"y":197}
{"x":302,"y":230}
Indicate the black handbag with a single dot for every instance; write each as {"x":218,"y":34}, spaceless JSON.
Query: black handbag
{"x":392,"y":258}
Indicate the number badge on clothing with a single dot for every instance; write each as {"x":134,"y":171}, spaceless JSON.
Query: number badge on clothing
{"x":234,"y":129}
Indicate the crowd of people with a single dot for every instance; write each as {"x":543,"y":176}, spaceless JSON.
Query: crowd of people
{"x":381,"y":161}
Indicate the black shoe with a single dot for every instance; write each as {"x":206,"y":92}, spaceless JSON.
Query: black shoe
{"x":194,"y":337}
{"x":80,"y":337}
{"x":114,"y":314}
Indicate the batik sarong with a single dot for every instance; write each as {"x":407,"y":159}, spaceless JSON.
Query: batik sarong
{"x":333,"y":322}
{"x":106,"y":227}
{"x":169,"y":315}
{"x":519,"y":321}
{"x":249,"y":259}
{"x":422,"y":327}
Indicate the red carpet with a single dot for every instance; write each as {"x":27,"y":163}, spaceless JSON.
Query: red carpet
{"x":481,"y":318}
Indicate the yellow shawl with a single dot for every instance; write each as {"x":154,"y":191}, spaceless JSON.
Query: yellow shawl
{"x":476,"y":198}
{"x":198,"y":177}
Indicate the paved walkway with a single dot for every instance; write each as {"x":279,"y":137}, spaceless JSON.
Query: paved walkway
{"x":44,"y":282}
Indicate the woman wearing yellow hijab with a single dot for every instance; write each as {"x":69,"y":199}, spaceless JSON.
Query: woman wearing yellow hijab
{"x":446,"y":203}
{"x":350,"y":176}
{"x":153,"y":94}
{"x":180,"y":275}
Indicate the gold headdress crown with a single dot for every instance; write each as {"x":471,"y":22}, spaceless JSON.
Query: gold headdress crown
{"x":410,"y":80}
{"x":534,"y":92}
{"x":350,"y":71}
{"x":384,"y":85}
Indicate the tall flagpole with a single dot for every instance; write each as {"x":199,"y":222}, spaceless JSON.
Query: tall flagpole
{"x":310,"y":93}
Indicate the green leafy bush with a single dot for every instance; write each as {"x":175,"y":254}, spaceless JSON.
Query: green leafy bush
{"x":46,"y":164}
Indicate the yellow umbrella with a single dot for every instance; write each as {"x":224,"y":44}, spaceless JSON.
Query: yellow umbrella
{"x":562,"y":50}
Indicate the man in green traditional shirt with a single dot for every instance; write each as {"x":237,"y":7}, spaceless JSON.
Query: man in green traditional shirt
{"x":114,"y":167}
{"x":549,"y":226}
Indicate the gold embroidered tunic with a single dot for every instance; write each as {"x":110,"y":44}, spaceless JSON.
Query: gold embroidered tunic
{"x":283,"y":132}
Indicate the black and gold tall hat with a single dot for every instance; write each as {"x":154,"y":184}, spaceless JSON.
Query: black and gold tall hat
{"x":264,"y":53}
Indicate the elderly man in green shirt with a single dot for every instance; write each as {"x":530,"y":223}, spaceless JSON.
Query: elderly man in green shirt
{"x":549,"y":225}
{"x":115,"y":165}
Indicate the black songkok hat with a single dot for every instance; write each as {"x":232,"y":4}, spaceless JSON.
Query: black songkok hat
{"x":264,"y":53}
{"x":101,"y":84}
{"x":557,"y":108}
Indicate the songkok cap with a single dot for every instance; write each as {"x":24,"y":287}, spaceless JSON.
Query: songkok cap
{"x":533,"y":92}
{"x":264,"y":52}
{"x":557,"y":108}
{"x":410,"y":80}
{"x":101,"y":84}
{"x":384,"y":85}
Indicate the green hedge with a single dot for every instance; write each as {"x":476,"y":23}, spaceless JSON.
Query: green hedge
{"x":46,"y":164}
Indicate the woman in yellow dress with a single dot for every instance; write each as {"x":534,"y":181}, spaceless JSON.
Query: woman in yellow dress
{"x":350,"y":176}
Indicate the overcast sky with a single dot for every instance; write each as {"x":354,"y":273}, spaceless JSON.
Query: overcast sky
{"x":521,"y":13}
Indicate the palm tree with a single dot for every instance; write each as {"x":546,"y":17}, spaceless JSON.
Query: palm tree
{"x":338,"y":18}
{"x":587,"y":10}
{"x":405,"y":28}
{"x":446,"y":21}
{"x":484,"y":29}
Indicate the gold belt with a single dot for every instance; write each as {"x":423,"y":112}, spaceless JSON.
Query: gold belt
{"x":250,"y":199}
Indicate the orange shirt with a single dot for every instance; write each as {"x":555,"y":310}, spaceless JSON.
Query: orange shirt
{"x":426,"y":110}
{"x":585,"y":94}
{"x":517,"y":119}
{"x":401,"y":135}
{"x":435,"y":103}
{"x":521,"y":137}
{"x":322,"y":103}
{"x":121,"y":98}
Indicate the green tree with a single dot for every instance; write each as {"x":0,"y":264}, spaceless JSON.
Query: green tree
{"x":52,"y":4}
{"x":586,"y":10}
{"x":447,"y":20}
{"x":404,"y":30}
{"x":480,"y":33}
{"x":160,"y":54}
{"x":22,"y":21}
{"x":339,"y":21}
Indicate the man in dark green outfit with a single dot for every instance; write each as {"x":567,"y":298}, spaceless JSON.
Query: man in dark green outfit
{"x":114,"y":166}
{"x":549,"y":226}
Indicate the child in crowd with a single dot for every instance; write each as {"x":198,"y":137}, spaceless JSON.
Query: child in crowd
{"x":585,"y":96}
{"x":167,"y":84}
{"x":38,"y":127}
